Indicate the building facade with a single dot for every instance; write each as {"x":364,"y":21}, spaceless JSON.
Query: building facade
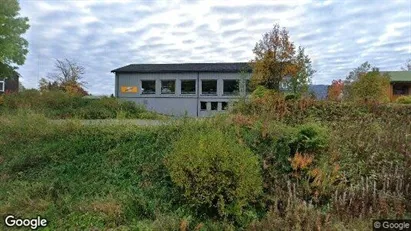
{"x":9,"y":85}
{"x":400,"y":84}
{"x":193,"y":89}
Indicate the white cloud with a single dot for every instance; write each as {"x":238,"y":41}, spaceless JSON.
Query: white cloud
{"x":104,"y":35}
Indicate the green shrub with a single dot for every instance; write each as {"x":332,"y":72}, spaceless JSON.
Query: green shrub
{"x":61,"y":105}
{"x":94,"y":112}
{"x":216,"y":174}
{"x":310,"y":138}
{"x":259,"y":92}
{"x":403,"y":100}
{"x":291,"y":97}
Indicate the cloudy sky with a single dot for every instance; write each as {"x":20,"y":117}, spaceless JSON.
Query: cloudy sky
{"x":103,"y":35}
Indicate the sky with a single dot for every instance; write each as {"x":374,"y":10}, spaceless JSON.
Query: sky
{"x":103,"y":35}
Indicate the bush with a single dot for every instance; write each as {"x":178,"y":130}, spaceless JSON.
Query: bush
{"x":310,"y":138}
{"x":216,"y":174}
{"x":62,"y":105}
{"x":403,"y":100}
{"x":259,"y":92}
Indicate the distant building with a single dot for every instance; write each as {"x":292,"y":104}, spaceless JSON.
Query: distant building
{"x":400,"y":83}
{"x":194,"y":89}
{"x":9,"y":84}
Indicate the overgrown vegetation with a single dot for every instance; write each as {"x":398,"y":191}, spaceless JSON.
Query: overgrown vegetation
{"x":63,"y":105}
{"x":272,"y":164}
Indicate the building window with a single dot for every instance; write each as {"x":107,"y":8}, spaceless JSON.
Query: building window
{"x":188,"y":87}
{"x":230,"y":87}
{"x":400,"y":89}
{"x":224,"y":106}
{"x":168,"y":86}
{"x":148,"y":86}
{"x":2,"y":86}
{"x":203,"y":106}
{"x":214,"y":106}
{"x":209,"y":87}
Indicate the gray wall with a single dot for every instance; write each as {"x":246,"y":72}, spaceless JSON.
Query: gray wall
{"x":175,"y":104}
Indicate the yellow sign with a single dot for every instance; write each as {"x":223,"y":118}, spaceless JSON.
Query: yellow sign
{"x":129,"y":89}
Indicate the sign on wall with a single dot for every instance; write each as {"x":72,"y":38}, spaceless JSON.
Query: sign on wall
{"x":129,"y":89}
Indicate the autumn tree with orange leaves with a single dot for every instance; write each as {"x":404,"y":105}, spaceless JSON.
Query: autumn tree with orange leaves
{"x":335,"y":91}
{"x":276,"y":58}
{"x":67,"y":77}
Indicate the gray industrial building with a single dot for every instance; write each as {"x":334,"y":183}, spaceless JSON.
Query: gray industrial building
{"x":193,"y":89}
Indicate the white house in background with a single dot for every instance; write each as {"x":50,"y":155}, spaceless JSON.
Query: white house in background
{"x":195,"y":89}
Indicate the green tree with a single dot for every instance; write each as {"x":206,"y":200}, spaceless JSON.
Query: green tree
{"x":357,"y":72}
{"x":370,"y":87}
{"x":354,"y":76}
{"x":299,"y":82}
{"x":13,"y":47}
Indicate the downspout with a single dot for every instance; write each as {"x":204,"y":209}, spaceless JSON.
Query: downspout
{"x":198,"y":92}
{"x":116,"y":84}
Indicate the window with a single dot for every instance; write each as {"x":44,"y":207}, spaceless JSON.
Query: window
{"x":2,"y":86}
{"x":148,"y":86}
{"x":168,"y":86}
{"x":209,"y":87}
{"x":230,"y":87}
{"x":203,"y":106}
{"x":188,"y":86}
{"x":283,"y":85}
{"x":400,"y":89}
{"x":224,"y":106}
{"x":214,"y":106}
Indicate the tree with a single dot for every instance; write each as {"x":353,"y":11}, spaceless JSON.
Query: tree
{"x":68,"y":71}
{"x":274,"y":55}
{"x":371,"y":86}
{"x":298,"y":83}
{"x":354,"y":76}
{"x":335,"y":91}
{"x":276,"y":60}
{"x":13,"y":47}
{"x":356,"y":72}
{"x":68,"y":77}
{"x":407,"y":66}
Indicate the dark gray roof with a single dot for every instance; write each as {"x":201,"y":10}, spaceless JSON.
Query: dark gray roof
{"x":183,"y":67}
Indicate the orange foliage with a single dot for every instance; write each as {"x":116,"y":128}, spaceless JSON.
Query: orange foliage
{"x":301,"y":161}
{"x":74,"y":89}
{"x":335,"y":90}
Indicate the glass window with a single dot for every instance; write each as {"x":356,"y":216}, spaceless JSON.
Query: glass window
{"x":148,"y":86}
{"x":203,"y":106}
{"x":2,"y":86}
{"x":214,"y":106}
{"x":230,"y":87}
{"x":400,"y":89}
{"x":224,"y":106}
{"x":209,"y":87}
{"x":188,"y":86}
{"x":168,"y":86}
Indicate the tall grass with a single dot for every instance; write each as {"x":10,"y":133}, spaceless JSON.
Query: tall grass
{"x":61,"y":105}
{"x":324,"y":166}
